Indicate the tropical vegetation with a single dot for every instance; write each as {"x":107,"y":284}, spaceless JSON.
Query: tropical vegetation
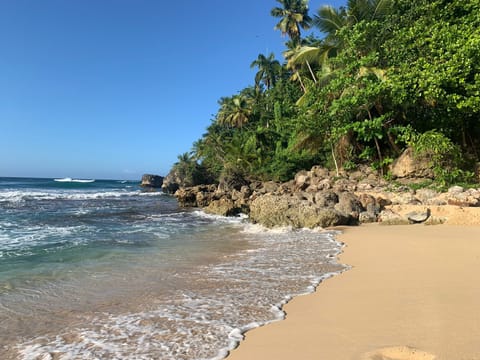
{"x":371,"y":79}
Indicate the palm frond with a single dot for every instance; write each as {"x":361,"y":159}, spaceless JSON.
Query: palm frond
{"x":329,"y":20}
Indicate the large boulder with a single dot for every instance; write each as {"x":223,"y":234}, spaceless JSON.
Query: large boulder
{"x":326,"y":198}
{"x":172,"y":182}
{"x":409,"y":166}
{"x":222,"y":207}
{"x":151,"y":181}
{"x":283,"y":210}
{"x":349,"y":205}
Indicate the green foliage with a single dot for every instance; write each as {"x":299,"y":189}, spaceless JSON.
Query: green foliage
{"x":387,"y":74}
{"x":293,"y":16}
{"x":444,"y":156}
{"x":190,"y":172}
{"x":268,"y":70}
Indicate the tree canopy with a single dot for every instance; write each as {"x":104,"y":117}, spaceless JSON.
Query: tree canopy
{"x":371,"y":79}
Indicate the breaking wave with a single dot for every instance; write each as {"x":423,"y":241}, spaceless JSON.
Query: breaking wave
{"x":67,"y":179}
{"x":19,"y":196}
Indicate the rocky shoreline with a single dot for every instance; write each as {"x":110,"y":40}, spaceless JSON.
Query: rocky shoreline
{"x":321,"y":198}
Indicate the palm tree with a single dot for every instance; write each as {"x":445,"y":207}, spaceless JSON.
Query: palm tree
{"x":305,"y":55}
{"x":268,"y":70}
{"x":293,"y":15}
{"x":368,"y":9}
{"x":234,"y":111}
{"x":329,"y":20}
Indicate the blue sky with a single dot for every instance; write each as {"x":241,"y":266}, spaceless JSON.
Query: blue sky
{"x":117,"y":88}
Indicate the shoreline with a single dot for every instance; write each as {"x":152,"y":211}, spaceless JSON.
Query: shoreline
{"x":410,"y":294}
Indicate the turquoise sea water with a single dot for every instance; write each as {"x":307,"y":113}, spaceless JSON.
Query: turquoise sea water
{"x":101,"y":270}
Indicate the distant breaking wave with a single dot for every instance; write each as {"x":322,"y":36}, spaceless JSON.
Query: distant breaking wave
{"x":19,"y":196}
{"x":67,"y":179}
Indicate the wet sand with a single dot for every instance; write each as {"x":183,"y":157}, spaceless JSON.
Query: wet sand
{"x":413,"y":293}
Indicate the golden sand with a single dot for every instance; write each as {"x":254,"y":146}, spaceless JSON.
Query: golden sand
{"x":413,"y":293}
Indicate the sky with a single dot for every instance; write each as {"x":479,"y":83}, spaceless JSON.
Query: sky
{"x":113,"y":89}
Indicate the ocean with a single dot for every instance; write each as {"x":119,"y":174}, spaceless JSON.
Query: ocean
{"x":99,"y":269}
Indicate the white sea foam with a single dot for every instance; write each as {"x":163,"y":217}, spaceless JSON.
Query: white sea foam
{"x":67,"y":180}
{"x":209,"y":316}
{"x":16,"y":240}
{"x":19,"y":196}
{"x":251,"y":228}
{"x":220,"y":219}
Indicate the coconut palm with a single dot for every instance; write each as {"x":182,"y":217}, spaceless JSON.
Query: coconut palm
{"x":330,"y":20}
{"x":234,"y":111}
{"x":293,"y":16}
{"x":268,"y":70}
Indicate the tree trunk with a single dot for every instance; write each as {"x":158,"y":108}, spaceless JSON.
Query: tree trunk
{"x":334,"y":159}
{"x":379,"y":155}
{"x":301,"y":82}
{"x":394,"y":146}
{"x":311,"y":72}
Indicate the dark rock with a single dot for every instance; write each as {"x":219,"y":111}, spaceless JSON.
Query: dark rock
{"x":417,"y":217}
{"x":172,"y":182}
{"x":367,"y":217}
{"x":151,"y":181}
{"x":232,"y":181}
{"x":170,"y":188}
{"x":326,"y":198}
{"x":366,"y":200}
{"x":372,"y":206}
{"x":382,"y":202}
{"x":349,"y":205}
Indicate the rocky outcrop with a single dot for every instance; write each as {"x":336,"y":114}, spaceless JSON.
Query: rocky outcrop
{"x":223,"y":207}
{"x":274,"y":210}
{"x":172,"y":182}
{"x":321,"y":198}
{"x":151,"y":181}
{"x":196,"y":196}
{"x":408,"y":166}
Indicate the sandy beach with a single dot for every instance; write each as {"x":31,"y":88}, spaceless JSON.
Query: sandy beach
{"x":412,"y":293}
